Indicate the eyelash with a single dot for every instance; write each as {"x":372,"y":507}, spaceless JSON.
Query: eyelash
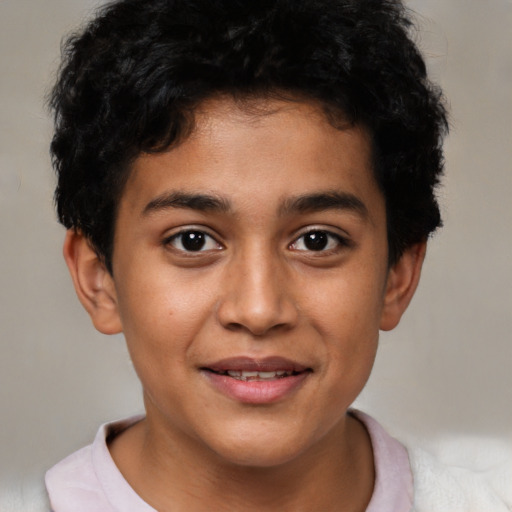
{"x":332,"y":241}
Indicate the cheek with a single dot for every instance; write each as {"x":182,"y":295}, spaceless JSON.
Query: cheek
{"x":163,"y":296}
{"x":347,"y":316}
{"x":348,"y":304}
{"x":160,"y":318}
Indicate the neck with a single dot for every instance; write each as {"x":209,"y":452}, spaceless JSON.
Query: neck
{"x":335,"y":474}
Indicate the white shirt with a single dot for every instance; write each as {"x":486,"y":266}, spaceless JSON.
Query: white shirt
{"x":89,"y":480}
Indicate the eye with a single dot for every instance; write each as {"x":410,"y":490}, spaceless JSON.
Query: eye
{"x":319,"y":241}
{"x":193,"y":240}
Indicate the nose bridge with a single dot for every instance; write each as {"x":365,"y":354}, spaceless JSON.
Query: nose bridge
{"x":257,"y":296}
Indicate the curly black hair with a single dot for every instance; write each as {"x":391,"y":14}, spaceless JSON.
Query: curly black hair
{"x":132,"y":78}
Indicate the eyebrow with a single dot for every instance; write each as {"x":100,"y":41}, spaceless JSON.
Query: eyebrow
{"x":199,"y":202}
{"x":302,"y":204}
{"x":329,"y":200}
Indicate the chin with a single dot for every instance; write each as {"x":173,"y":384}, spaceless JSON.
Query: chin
{"x":256,"y":456}
{"x":259,"y":447}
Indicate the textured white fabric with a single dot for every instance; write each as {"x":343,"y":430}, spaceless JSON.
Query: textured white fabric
{"x":440,"y":487}
{"x":26,"y":494}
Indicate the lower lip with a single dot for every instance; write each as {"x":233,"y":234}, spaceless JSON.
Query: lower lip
{"x":256,"y":392}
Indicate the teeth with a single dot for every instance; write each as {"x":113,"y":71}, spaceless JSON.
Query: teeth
{"x":267,"y":375}
{"x":251,"y":376}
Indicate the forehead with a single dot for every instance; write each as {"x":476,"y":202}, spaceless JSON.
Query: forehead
{"x":258,"y":149}
{"x":278,"y":127}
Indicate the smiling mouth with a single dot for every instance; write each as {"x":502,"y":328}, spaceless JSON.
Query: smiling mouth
{"x":247,"y":369}
{"x":255,"y":376}
{"x":256,"y":381}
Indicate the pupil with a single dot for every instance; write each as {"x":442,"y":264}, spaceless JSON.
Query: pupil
{"x":193,"y":240}
{"x":316,"y":241}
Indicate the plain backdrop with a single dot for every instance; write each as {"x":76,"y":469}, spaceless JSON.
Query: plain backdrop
{"x":443,"y":375}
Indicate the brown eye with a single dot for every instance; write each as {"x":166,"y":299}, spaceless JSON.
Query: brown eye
{"x":193,"y":241}
{"x":318,"y":241}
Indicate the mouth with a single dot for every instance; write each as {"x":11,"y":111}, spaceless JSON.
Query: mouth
{"x":256,"y":381}
{"x":248,"y":369}
{"x":254,"y":376}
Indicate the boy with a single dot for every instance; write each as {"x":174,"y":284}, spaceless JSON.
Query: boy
{"x":248,"y":190}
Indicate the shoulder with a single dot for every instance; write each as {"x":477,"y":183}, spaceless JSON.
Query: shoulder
{"x":393,"y":487}
{"x":88,"y":480}
{"x":461,"y":474}
{"x":73,"y":482}
{"x":471,"y":477}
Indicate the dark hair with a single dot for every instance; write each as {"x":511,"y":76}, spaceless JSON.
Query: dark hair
{"x":130,"y":81}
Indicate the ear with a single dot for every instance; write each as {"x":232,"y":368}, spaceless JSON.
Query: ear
{"x":402,"y":281}
{"x":93,"y":283}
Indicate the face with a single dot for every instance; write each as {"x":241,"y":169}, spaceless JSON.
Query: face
{"x":250,"y":278}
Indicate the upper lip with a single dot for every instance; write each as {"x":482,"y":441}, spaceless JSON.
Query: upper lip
{"x":250,"y":364}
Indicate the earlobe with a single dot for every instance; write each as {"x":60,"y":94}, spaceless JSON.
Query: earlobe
{"x":402,"y":281}
{"x":94,"y":285}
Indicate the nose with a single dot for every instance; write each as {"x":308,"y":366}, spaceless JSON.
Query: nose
{"x":257,"y":295}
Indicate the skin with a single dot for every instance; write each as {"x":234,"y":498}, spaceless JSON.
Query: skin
{"x":255,"y":289}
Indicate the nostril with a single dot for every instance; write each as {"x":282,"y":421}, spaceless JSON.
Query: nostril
{"x":257,"y":331}
{"x":233,"y":326}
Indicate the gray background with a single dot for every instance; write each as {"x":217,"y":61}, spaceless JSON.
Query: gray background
{"x":444,"y":374}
